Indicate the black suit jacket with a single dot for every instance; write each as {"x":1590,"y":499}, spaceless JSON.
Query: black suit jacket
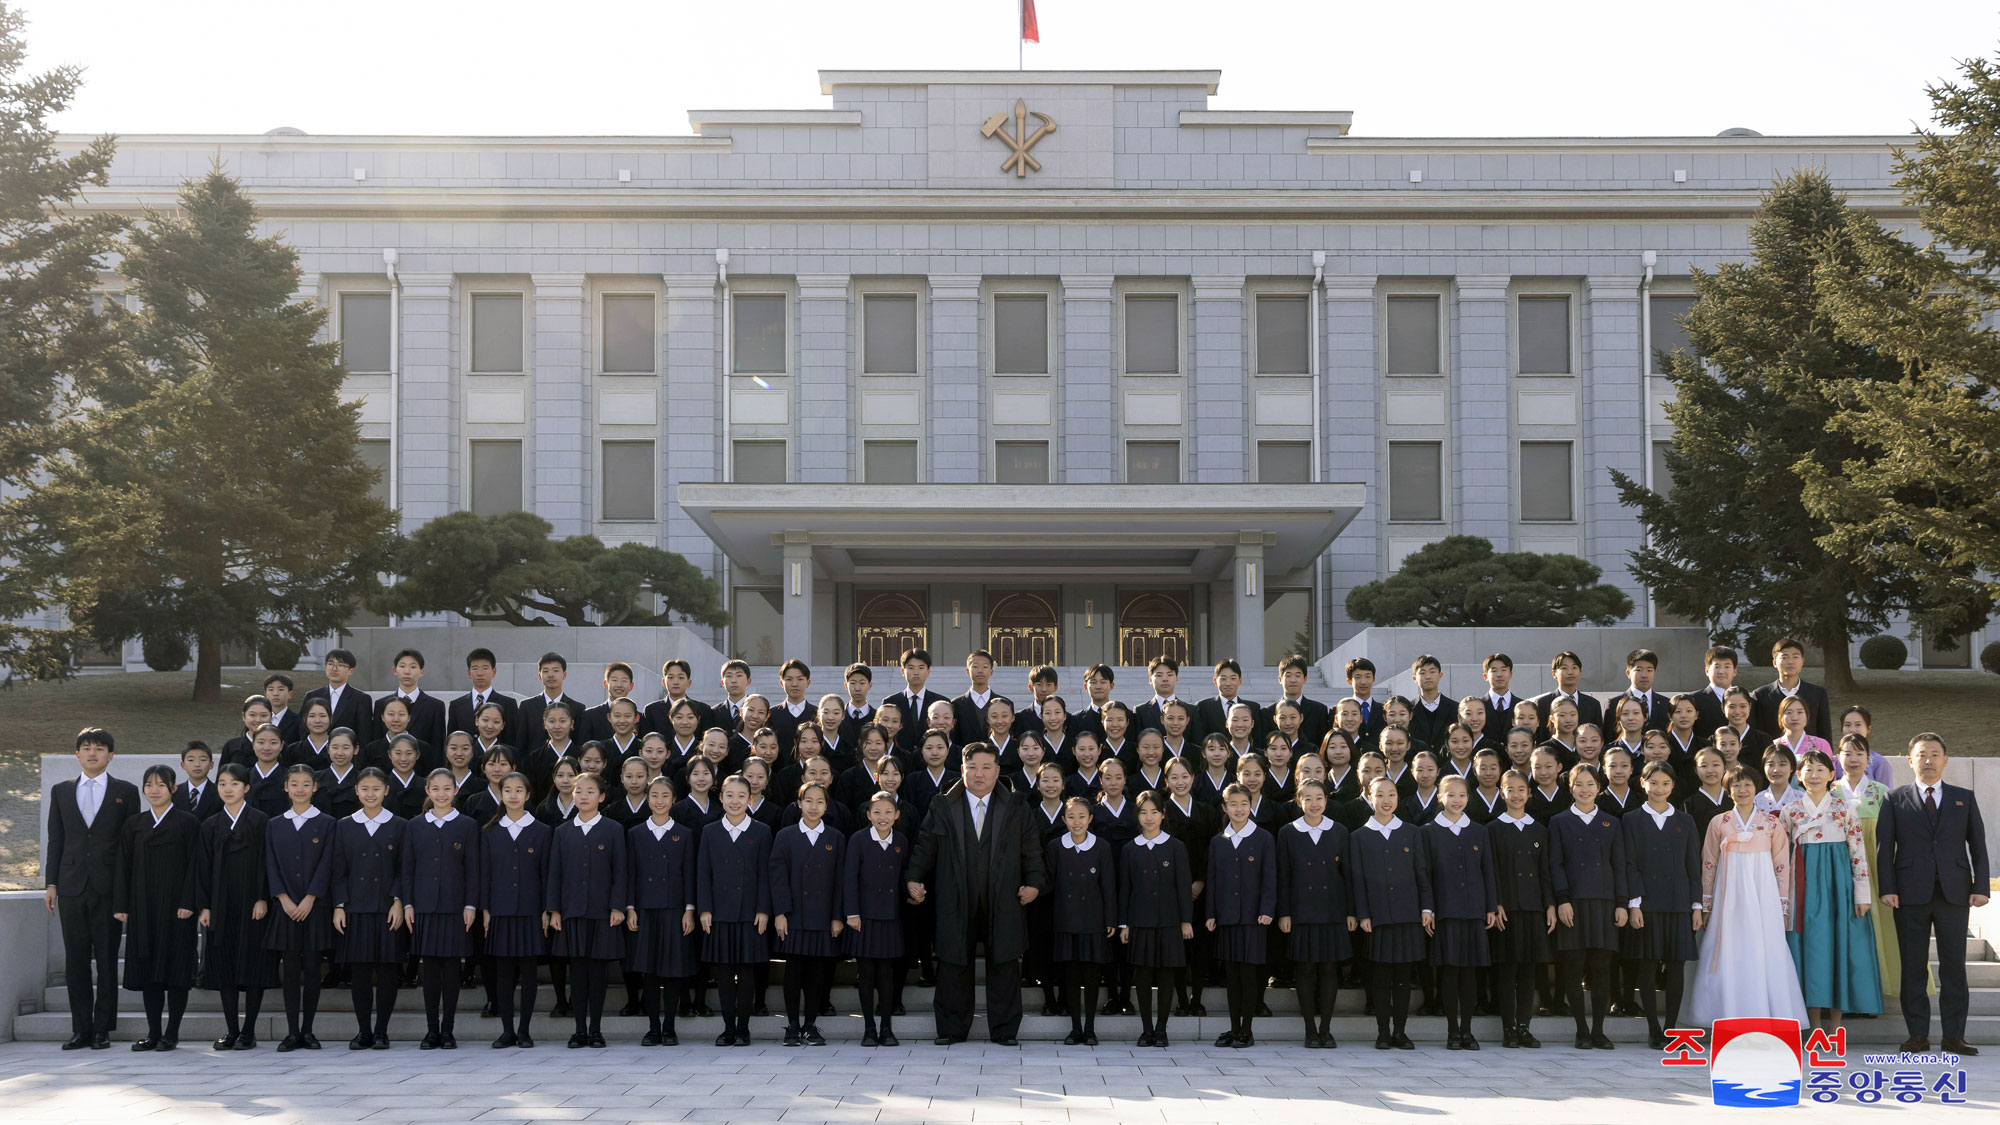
{"x":356,"y":712}
{"x":1916,"y":857}
{"x":915,"y":712}
{"x":1499,"y":719}
{"x":659,"y":716}
{"x":83,"y":859}
{"x":941,"y":860}
{"x":1764,"y":703}
{"x":290,"y":725}
{"x":1659,"y":712}
{"x":1708,"y":714}
{"x":1213,"y":718}
{"x":971,"y":718}
{"x":1588,"y":709}
{"x":528,"y":730}
{"x":427,"y":717}
{"x":458,"y":714}
{"x":786,"y":726}
{"x":209,"y":805}
{"x":1318,"y":719}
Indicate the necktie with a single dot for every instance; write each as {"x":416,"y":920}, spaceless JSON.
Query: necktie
{"x":478,"y":700}
{"x":90,"y":800}
{"x":979,"y":819}
{"x":1930,"y":803}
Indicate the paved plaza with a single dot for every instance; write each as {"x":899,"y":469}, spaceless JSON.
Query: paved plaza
{"x":967,"y":1083}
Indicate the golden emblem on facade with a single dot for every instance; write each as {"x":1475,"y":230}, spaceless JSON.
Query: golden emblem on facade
{"x":1020,"y":140}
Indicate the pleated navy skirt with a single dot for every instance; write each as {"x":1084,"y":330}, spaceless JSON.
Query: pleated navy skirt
{"x":1668,"y":935}
{"x":734,"y":943}
{"x":441,"y":935}
{"x":591,"y":939}
{"x":1595,"y":927}
{"x":516,"y":935}
{"x":1318,"y":942}
{"x":370,"y":941}
{"x":1461,"y":943}
{"x":659,"y":948}
{"x":1396,"y":943}
{"x":1157,"y":947}
{"x":1525,"y":941}
{"x":808,"y":943}
{"x":1244,"y":943}
{"x":878,"y":939}
{"x":1091,"y":948}
{"x":312,"y":934}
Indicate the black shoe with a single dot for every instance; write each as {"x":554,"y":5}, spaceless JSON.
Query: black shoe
{"x":898,"y":1010}
{"x":1263,"y":1010}
{"x":381,"y":1042}
{"x":523,"y":1041}
{"x":1181,"y":1011}
{"x":632,"y":1008}
{"x":1401,"y":1042}
{"x":100,"y":1042}
{"x":145,"y":1044}
{"x":704,"y":1011}
{"x":1145,"y":1039}
{"x":1049,"y":1007}
{"x":288,"y":1044}
{"x":447,"y":1043}
{"x":226,"y":1043}
{"x":76,"y":1043}
{"x":431,"y":1042}
{"x":580,"y":1040}
{"x":1467,"y":1043}
{"x":168,"y":1043}
{"x":726,"y":1039}
{"x":361,"y":1042}
{"x":827,"y":1009}
{"x":597,"y":1042}
{"x":868,"y":1038}
{"x":888,"y":1039}
{"x":1110,"y":1007}
{"x":1327,"y":1043}
{"x":948,"y":1040}
{"x":792,"y":1038}
{"x":1245,"y":1040}
{"x":650,"y":1039}
{"x":507,"y":1039}
{"x":561,"y":1011}
{"x":1196,"y":1009}
{"x":1451,"y":1042}
{"x":309,"y":1041}
{"x":1073,"y":1039}
{"x":1583,"y":1041}
{"x":1602,"y":1043}
{"x":669,"y":1039}
{"x":1226,"y":1039}
{"x":245,"y":1041}
{"x":813,"y":1037}
{"x":487,"y":1012}
{"x":1510,"y":1038}
{"x":1528,"y":1040}
{"x":741,"y":1039}
{"x":1160,"y":1039}
{"x":687,"y":1008}
{"x":1006,"y":1041}
{"x":1656,"y":1042}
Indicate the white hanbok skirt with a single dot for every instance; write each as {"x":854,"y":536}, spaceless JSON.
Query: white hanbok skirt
{"x":1746,"y":967}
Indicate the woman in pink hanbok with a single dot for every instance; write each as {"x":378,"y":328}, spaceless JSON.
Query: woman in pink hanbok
{"x":1746,"y":967}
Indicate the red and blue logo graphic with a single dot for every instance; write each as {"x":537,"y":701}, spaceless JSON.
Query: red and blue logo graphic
{"x":1755,"y":1061}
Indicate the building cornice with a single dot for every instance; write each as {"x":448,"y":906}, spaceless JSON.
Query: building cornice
{"x":1209,"y":80}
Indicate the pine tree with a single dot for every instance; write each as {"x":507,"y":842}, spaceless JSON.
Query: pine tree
{"x":53,"y":343}
{"x":214,"y":490}
{"x":1461,"y":581}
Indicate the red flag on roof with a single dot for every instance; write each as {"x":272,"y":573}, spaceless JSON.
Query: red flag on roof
{"x":1029,"y":32}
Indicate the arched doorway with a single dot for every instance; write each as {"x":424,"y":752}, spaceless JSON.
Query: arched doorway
{"x":1021,"y":627}
{"x":1152,"y":623}
{"x":889,"y":623}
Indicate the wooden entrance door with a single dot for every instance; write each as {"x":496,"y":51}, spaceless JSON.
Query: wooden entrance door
{"x":889,"y":623}
{"x":1152,"y":623}
{"x":1021,"y":627}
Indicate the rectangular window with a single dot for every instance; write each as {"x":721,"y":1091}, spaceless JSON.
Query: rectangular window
{"x":629,"y":471}
{"x":375,"y":455}
{"x":628,"y":335}
{"x":889,"y":462}
{"x":1287,"y":624}
{"x":1544,"y":328}
{"x":1934,"y":657}
{"x":759,"y":462}
{"x":1021,"y":462}
{"x":1668,"y":335}
{"x":496,"y":477}
{"x":1413,"y":336}
{"x":364,"y":333}
{"x":496,"y":334}
{"x":1153,"y":462}
{"x":1663,"y":481}
{"x":757,"y":631}
{"x":1283,"y":336}
{"x":1546,"y":484}
{"x":889,"y":335}
{"x":1021,"y":335}
{"x":760,"y":335}
{"x":1284,"y":462}
{"x":1152,"y":335}
{"x":1416,"y":481}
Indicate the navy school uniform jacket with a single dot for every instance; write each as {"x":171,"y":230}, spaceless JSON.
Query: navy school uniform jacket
{"x":587,"y":877}
{"x":659,"y":871}
{"x":303,"y":752}
{"x":1346,"y":787}
{"x":1195,"y":827}
{"x":206,"y":806}
{"x":1116,"y":829}
{"x":687,"y":812}
{"x":1543,"y":807}
{"x":480,"y":804}
{"x":1463,"y":880}
{"x":441,"y":865}
{"x":659,"y":716}
{"x":1389,"y":878}
{"x":1242,"y":883}
{"x":528,"y":729}
{"x":806,"y":877}
{"x":1482,"y":810}
{"x":1155,"y":885}
{"x":406,"y":798}
{"x":1587,"y":858}
{"x":1609,"y":801}
{"x":1415,"y":810}
{"x":733,"y":877}
{"x":618,"y":806}
{"x":768,"y":812}
{"x":872,"y":883}
{"x":921,"y":789}
{"x":1662,"y":862}
{"x":1047,"y":827}
{"x":335,"y":795}
{"x":367,"y":869}
{"x":267,"y":793}
{"x":1521,"y":872}
{"x":1313,"y":877}
{"x":514,"y":871}
{"x":299,"y":861}
{"x":1703,"y":809}
{"x":355,"y":711}
{"x":1083,"y":885}
{"x":1136,"y":781}
{"x":552,"y":813}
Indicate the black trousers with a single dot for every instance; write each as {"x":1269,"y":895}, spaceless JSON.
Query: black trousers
{"x":90,"y":940}
{"x":1914,"y":924}
{"x":953,"y":1002}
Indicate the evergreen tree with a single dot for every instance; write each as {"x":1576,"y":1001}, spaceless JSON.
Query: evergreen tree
{"x":1460,"y":581}
{"x":1732,"y":542}
{"x":53,"y":344}
{"x":214,"y":490}
{"x":1926,"y":498}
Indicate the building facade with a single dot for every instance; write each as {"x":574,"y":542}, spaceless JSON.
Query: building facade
{"x":1061,"y":364}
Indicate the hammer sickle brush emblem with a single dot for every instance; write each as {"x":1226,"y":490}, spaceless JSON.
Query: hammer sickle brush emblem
{"x":1020,"y":140}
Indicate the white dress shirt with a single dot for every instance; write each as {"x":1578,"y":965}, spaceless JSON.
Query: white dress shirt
{"x":382,"y":817}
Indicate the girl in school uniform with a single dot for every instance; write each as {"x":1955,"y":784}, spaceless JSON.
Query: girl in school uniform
{"x":461,"y":761}
{"x":1548,"y":796}
{"x":890,"y":775}
{"x":1252,"y":775}
{"x":818,"y":772}
{"x":1116,"y":718}
{"x":1083,"y":780}
{"x":299,"y":859}
{"x":371,"y":939}
{"x":1488,"y":799}
{"x":1663,"y":876}
{"x":872,"y":893}
{"x":1831,"y":939}
{"x":1033,"y":753}
{"x":406,"y":797}
{"x":1050,"y":793}
{"x":1242,"y":886}
{"x":310,"y":750}
{"x":1422,"y":801}
{"x":1313,"y":910}
{"x":1084,"y":892}
{"x":1148,"y":775}
{"x":1155,"y":911}
{"x":1561,"y":730}
{"x":441,"y":901}
{"x":1194,"y":824}
{"x":1460,"y":752}
{"x":152,"y":897}
{"x":1115,"y":820}
{"x":1342,"y":782}
{"x":1037,"y":966}
{"x":232,"y":898}
{"x":396,"y":721}
{"x":659,"y":919}
{"x":1525,"y":912}
{"x":1590,"y":743}
{"x":1237,"y":731}
{"x":629,"y":806}
{"x":1658,"y":747}
{"x":698,"y":808}
{"x":333,"y":783}
{"x":558,"y":807}
{"x":1465,"y":891}
{"x":1218,"y":770}
{"x":1391,"y":894}
{"x":483,"y":803}
{"x":1708,"y":799}
{"x":514,"y":855}
{"x":585,"y":899}
{"x":1520,"y":751}
{"x":488,"y":728}
{"x":806,"y":913}
{"x":733,"y":894}
{"x":1629,"y":725}
{"x":1278,"y":769}
{"x":1619,"y":795}
{"x":1587,"y":869}
{"x":267,"y":773}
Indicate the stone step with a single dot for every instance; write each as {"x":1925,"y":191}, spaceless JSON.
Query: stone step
{"x":198,"y":1029}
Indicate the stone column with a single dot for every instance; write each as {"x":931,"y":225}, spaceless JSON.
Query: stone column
{"x":1088,"y":409}
{"x":1247,"y":590}
{"x":561,"y":462}
{"x":690,"y":416}
{"x":1483,"y":471}
{"x":1350,"y":435}
{"x":825,"y":406}
{"x":796,"y":577}
{"x":1614,"y":403}
{"x":1217,"y":424}
{"x":957,"y":400}
{"x":426,"y":400}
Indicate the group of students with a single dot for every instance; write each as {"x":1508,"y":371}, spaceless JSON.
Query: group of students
{"x":1491,"y":854}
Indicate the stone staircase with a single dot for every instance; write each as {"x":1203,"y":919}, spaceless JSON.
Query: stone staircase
{"x":1130,"y":685}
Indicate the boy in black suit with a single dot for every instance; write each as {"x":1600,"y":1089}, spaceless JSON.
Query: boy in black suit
{"x":480,"y":666}
{"x":1360,"y":674}
{"x":1098,"y":680}
{"x":553,"y":668}
{"x":426,"y":711}
{"x":1165,"y":674}
{"x":1500,"y":698}
{"x":197,"y":794}
{"x":618,"y":683}
{"x":1315,"y":718}
{"x":1432,"y":712}
{"x":676,"y":676}
{"x":1641,"y":665}
{"x":278,"y":690}
{"x":788,"y":713}
{"x":80,"y":867}
{"x":1788,"y":656}
{"x":1567,"y":670}
{"x":349,"y":705}
{"x":915,"y":699}
{"x":969,"y":710}
{"x":1719,"y":664}
{"x":1212,"y":714}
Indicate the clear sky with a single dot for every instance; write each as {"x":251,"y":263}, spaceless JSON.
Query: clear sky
{"x":595,"y":67}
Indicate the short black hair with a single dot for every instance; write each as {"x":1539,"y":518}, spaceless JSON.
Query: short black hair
{"x":1358,"y":664}
{"x":1639,"y":655}
{"x":1426,"y":659}
{"x":1043,"y":674}
{"x":914,"y":655}
{"x":479,"y":654}
{"x":342,"y":655}
{"x":618,"y":666}
{"x":1167,"y":662}
{"x":686,"y":668}
{"x":985,"y":748}
{"x":413,"y":654}
{"x":279,"y":678}
{"x":1229,"y":666}
{"x":1101,"y":670}
{"x":196,"y":744}
{"x":859,"y":669}
{"x":1291,"y":661}
{"x":1500,"y":658}
{"x":742,"y":666}
{"x":794,"y":665}
{"x":555,"y":658}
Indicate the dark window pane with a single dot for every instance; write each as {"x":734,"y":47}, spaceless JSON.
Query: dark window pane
{"x":1153,"y":462}
{"x":1021,"y":462}
{"x":1283,"y":336}
{"x":760,"y":335}
{"x":1413,"y":336}
{"x":1152,"y":336}
{"x":1959,"y":657}
{"x":889,"y":462}
{"x":757,"y":632}
{"x":1021,"y":335}
{"x":496,"y":477}
{"x":1668,"y":335}
{"x":496,"y":333}
{"x":364,"y":332}
{"x":1416,"y":480}
{"x":375,"y":454}
{"x":889,"y":335}
{"x":1287,"y":624}
{"x":628,"y":335}
{"x":1544,"y":335}
{"x":1546,"y":481}
{"x":1284,"y":462}
{"x":759,"y":462}
{"x":1663,"y":482}
{"x":628,"y":480}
